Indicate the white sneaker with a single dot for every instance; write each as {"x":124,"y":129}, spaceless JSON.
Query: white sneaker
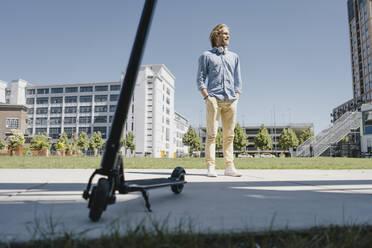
{"x":212,"y":171}
{"x":232,"y":172}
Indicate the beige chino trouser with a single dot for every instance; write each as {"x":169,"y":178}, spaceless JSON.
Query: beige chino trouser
{"x":227,"y":111}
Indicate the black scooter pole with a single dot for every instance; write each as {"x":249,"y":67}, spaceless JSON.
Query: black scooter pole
{"x":127,"y":89}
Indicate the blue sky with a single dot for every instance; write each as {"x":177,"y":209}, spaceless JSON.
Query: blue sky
{"x":294,"y":54}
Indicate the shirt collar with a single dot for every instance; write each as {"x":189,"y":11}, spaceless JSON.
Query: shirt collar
{"x":219,"y":50}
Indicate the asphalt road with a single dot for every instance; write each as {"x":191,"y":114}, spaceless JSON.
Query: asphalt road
{"x":47,"y":203}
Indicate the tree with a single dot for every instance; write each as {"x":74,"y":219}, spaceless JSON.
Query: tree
{"x":240,"y":138}
{"x":129,"y":142}
{"x":263,"y":140}
{"x":2,"y":144}
{"x":306,"y":134}
{"x":83,"y":141}
{"x":74,"y":143}
{"x":219,"y":139}
{"x":288,"y":139}
{"x":63,"y":139}
{"x":40,"y":141}
{"x":191,"y":139}
{"x":96,"y":142}
{"x":16,"y":139}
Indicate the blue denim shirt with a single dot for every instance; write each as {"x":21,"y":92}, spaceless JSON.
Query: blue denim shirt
{"x":219,"y":73}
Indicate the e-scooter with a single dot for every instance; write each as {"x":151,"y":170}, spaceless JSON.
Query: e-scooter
{"x":112,"y":166}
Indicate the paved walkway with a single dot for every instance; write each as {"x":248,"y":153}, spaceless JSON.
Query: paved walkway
{"x":34,"y":203}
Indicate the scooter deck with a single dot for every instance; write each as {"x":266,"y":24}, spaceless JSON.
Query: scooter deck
{"x":143,"y":184}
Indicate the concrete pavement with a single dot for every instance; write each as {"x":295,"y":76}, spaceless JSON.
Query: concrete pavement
{"x":44,"y":203}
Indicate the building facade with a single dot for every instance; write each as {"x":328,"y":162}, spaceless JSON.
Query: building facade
{"x":360,"y":32}
{"x":366,"y":131}
{"x":12,"y":117}
{"x":181,"y":124}
{"x":89,"y":107}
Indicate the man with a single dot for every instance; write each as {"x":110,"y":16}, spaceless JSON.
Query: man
{"x":220,"y":84}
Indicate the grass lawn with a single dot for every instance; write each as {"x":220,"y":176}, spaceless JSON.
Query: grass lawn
{"x":331,"y":237}
{"x":79,"y":162}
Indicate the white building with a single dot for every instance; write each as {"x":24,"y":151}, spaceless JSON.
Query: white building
{"x":89,"y":107}
{"x":182,"y":125}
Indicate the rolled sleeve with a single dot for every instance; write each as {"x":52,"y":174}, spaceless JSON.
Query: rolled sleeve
{"x":202,"y":72}
{"x":237,"y":77}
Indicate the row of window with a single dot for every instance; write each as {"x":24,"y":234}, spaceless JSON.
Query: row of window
{"x":70,"y":120}
{"x":55,"y":132}
{"x":71,"y":110}
{"x":72,"y":99}
{"x":74,"y":89}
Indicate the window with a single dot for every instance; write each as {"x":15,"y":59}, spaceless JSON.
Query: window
{"x":114,"y":98}
{"x":40,"y":130}
{"x":69,"y":131}
{"x":111,"y":118}
{"x":99,"y":109}
{"x":100,"y":98}
{"x":42,"y":111}
{"x":30,"y":111}
{"x":85,"y":119}
{"x":30,"y":100}
{"x":12,"y":123}
{"x":87,"y":130}
{"x":69,"y":110}
{"x":42,"y":100}
{"x":43,"y":91}
{"x":57,"y":90}
{"x":71,"y":89}
{"x":41,"y":121}
{"x":85,"y":109}
{"x":56,"y":99}
{"x":100,"y":119}
{"x":101,"y":88}
{"x":112,"y":108}
{"x":103,"y":131}
{"x":367,"y":118}
{"x":86,"y":89}
{"x":115,"y":87}
{"x":54,"y":132}
{"x":85,"y":98}
{"x":70,"y":99}
{"x":30,"y":92}
{"x":55,"y":120}
{"x":168,"y":101}
{"x":69,"y":120}
{"x":56,"y":110}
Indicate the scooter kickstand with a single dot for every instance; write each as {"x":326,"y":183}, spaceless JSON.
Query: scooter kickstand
{"x":145,"y":195}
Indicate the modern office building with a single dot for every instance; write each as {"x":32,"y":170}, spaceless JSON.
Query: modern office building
{"x":360,"y":31}
{"x":89,"y":107}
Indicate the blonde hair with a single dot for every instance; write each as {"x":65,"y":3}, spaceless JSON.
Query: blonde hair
{"x":215,"y":32}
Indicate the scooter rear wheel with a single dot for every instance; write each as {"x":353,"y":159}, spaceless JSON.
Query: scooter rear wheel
{"x":99,"y":199}
{"x":179,"y":175}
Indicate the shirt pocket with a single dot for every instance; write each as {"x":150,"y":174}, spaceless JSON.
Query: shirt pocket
{"x":215,"y":68}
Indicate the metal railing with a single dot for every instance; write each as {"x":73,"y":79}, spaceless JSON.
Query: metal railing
{"x":320,"y":143}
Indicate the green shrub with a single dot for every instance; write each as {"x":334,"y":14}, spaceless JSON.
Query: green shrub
{"x":16,"y":139}
{"x":39,"y":142}
{"x":60,"y":146}
{"x":2,"y":144}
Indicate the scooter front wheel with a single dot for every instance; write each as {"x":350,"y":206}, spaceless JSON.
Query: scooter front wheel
{"x":99,"y":199}
{"x":178,"y":174}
